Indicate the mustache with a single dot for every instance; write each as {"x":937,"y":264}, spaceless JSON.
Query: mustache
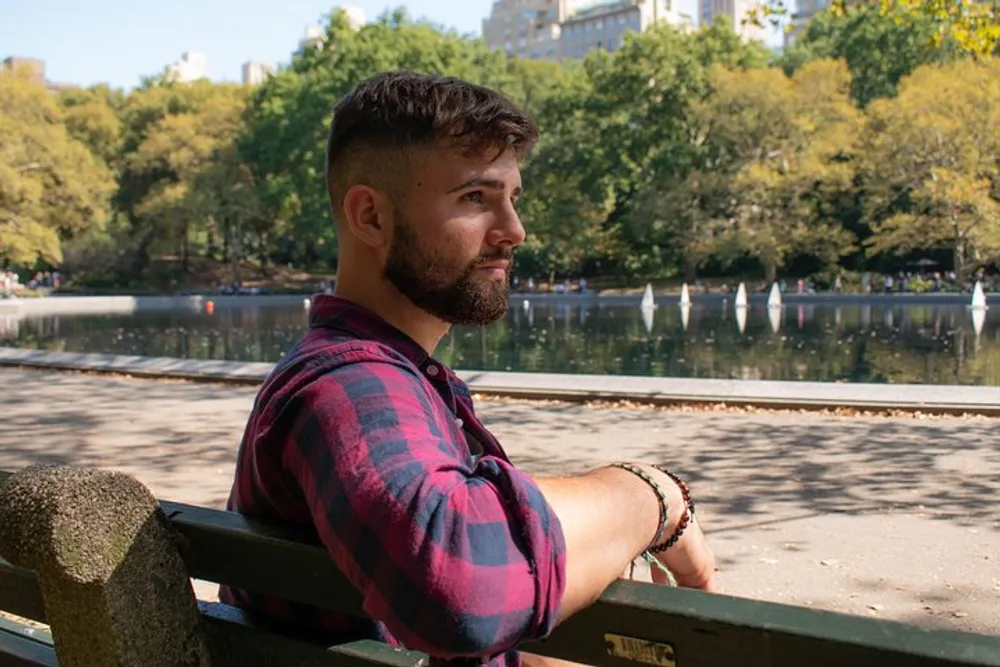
{"x":494,"y":255}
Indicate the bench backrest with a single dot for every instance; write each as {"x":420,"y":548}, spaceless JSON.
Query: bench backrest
{"x":632,"y":622}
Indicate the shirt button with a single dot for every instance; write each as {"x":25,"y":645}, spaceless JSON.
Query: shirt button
{"x":432,"y":370}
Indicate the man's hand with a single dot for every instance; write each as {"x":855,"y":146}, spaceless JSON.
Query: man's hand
{"x":690,"y":560}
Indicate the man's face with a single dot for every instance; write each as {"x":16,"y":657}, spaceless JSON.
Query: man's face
{"x":454,"y":237}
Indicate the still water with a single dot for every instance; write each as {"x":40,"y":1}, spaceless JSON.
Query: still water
{"x":936,"y":344}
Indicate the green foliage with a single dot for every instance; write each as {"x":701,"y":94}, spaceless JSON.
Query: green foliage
{"x":931,"y":170}
{"x":872,"y":139}
{"x":880,"y":48}
{"x":51,"y":185}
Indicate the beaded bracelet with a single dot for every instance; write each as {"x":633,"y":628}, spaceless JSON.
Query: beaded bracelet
{"x":660,"y":494}
{"x":685,"y":519}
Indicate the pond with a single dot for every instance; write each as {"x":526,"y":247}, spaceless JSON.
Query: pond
{"x":883,"y":343}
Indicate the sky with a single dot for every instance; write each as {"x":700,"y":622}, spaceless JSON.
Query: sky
{"x":119,"y":41}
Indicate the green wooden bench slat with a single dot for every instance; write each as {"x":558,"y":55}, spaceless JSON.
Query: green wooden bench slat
{"x":227,"y":548}
{"x":20,"y":650}
{"x":35,"y":634}
{"x":711,"y":630}
{"x":19,"y":592}
{"x":237,"y":640}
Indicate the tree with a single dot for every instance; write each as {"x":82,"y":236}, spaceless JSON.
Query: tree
{"x":92,"y":117}
{"x":880,"y":47}
{"x":777,"y":151}
{"x":147,"y":169}
{"x":51,"y":186}
{"x":180,"y":147}
{"x":620,"y":137}
{"x":974,"y":25}
{"x":931,"y":174}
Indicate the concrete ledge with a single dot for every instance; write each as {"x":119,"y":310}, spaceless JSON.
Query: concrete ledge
{"x":951,"y":399}
{"x":79,"y":305}
{"x":65,"y":305}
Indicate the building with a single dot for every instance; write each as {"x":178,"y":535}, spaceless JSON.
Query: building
{"x":316,"y":35}
{"x":255,"y":73}
{"x":35,"y":69}
{"x":528,"y":28}
{"x":604,"y":25}
{"x":738,"y":13}
{"x":191,"y":67}
{"x":804,"y":11}
{"x":538,"y":28}
{"x":355,"y":16}
{"x":33,"y":66}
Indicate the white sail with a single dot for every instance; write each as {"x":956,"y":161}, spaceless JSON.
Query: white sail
{"x":741,"y":296}
{"x":978,"y":319}
{"x":647,"y":298}
{"x":685,"y":295}
{"x":774,"y":298}
{"x":774,"y":317}
{"x":647,"y":319}
{"x":741,"y":319}
{"x":978,"y":297}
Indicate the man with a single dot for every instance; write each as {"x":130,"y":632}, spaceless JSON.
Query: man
{"x":362,"y":435}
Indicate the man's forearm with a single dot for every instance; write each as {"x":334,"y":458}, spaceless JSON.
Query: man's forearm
{"x":608,"y":517}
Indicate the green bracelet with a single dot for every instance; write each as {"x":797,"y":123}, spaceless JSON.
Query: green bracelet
{"x":655,"y":562}
{"x":660,"y":494}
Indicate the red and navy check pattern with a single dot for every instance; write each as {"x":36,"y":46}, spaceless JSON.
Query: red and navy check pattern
{"x":358,"y":434}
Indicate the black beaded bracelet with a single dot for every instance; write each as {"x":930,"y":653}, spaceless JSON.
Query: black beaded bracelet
{"x":685,"y":519}
{"x":660,"y":494}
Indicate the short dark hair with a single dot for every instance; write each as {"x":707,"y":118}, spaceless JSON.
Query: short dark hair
{"x":393,"y":112}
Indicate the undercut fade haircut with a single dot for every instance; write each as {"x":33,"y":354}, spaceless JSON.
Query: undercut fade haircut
{"x":385,"y":117}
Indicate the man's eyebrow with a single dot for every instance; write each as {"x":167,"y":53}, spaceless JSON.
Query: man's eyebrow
{"x":488,"y":183}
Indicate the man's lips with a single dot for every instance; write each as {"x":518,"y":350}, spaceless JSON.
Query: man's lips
{"x":498,"y":264}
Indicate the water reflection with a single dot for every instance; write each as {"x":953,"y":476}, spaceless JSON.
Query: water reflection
{"x":865,"y":343}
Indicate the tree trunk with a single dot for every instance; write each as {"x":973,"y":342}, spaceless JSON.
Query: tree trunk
{"x":185,"y":251}
{"x":958,"y":254}
{"x":263,"y":253}
{"x":770,"y":271}
{"x":690,"y":268}
{"x":234,"y":254}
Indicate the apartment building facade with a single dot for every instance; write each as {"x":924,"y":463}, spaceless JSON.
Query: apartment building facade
{"x":604,"y":25}
{"x":527,"y":28}
{"x":569,"y":28}
{"x":737,"y":13}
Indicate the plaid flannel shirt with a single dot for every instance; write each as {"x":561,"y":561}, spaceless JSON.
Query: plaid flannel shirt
{"x":359,"y":434}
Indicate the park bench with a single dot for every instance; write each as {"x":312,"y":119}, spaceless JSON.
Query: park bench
{"x":92,"y":554}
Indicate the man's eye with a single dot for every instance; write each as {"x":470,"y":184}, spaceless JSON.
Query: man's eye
{"x":476,"y":197}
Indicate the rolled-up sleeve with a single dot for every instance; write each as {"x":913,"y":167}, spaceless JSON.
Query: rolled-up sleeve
{"x":456,"y":558}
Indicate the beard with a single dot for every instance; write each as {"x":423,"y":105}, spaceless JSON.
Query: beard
{"x":452,"y":293}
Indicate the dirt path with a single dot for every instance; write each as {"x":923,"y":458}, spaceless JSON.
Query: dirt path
{"x":891,"y":517}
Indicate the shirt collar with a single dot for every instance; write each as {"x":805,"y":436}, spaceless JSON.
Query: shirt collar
{"x":334,"y":312}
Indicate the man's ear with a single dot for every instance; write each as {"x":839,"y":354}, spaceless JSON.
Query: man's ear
{"x":364,"y":215}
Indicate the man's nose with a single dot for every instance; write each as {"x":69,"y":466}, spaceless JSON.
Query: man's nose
{"x":508,"y":229}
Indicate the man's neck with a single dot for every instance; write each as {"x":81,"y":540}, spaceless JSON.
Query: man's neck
{"x":386,"y":301}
